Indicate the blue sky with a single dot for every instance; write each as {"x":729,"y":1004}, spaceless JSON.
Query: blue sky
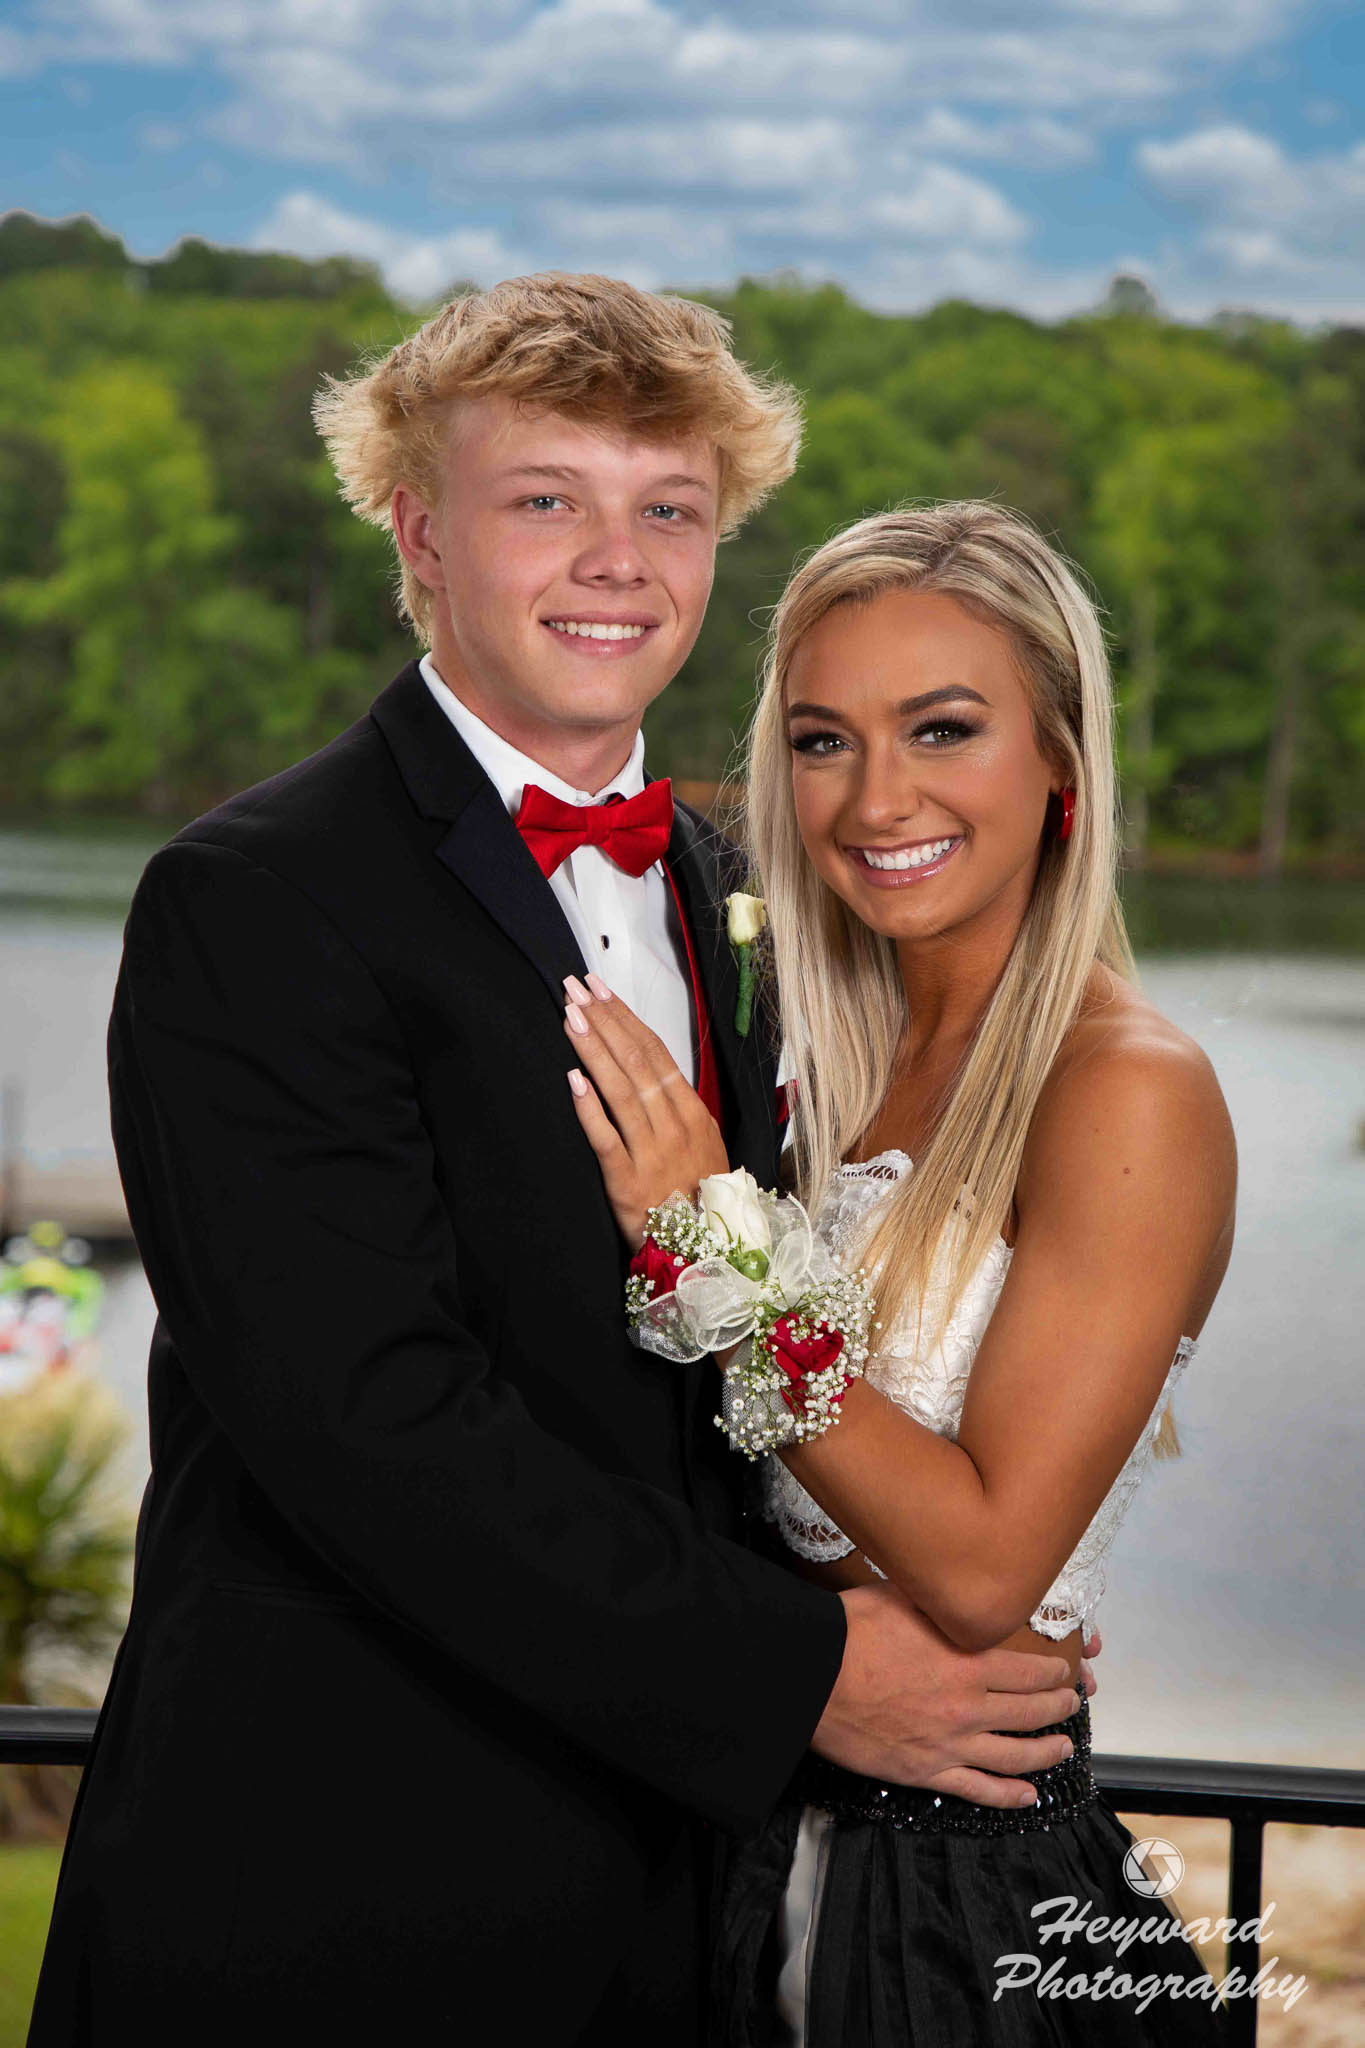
{"x":1018,"y":154}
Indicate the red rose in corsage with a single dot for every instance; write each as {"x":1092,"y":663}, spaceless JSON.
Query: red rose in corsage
{"x":741,"y":1267}
{"x":657,"y":1267}
{"x":675,"y":1238}
{"x":802,"y":1357}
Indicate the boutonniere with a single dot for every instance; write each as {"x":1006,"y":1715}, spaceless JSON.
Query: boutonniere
{"x":745,"y":919}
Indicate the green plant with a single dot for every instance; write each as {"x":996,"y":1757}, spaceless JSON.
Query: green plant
{"x":66,"y":1541}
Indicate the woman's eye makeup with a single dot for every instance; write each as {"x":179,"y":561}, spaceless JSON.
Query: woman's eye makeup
{"x":937,"y":732}
{"x":817,"y":744}
{"x":951,"y":729}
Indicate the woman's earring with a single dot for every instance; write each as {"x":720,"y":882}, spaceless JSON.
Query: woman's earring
{"x":1068,"y":810}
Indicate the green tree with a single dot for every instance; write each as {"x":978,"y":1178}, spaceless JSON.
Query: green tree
{"x":1173,"y":517}
{"x":165,"y":656}
{"x":185,"y":603}
{"x":28,"y":244}
{"x":1311,"y":565}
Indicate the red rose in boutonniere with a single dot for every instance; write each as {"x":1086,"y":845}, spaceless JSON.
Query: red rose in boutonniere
{"x":801,"y":1352}
{"x":654,"y":1264}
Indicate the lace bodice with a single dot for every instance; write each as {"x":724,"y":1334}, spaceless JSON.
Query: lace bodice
{"x":933,"y":1388}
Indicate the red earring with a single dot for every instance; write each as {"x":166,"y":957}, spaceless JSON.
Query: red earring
{"x":1068,"y":810}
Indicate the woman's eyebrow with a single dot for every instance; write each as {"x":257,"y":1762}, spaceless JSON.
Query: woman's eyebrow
{"x":904,"y":709}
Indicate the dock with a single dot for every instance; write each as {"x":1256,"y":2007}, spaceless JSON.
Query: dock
{"x":83,"y":1194}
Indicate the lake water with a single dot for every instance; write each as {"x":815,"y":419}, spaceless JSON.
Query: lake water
{"x":1234,"y":1624}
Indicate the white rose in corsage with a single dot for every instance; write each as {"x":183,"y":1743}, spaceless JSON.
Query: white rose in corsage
{"x":745,"y":919}
{"x":742,"y":1266}
{"x":731,"y":1205}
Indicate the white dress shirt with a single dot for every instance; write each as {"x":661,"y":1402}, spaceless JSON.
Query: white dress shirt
{"x":627,"y":926}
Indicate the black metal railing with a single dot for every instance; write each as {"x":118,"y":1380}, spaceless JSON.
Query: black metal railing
{"x":46,"y":1735}
{"x":1249,"y":1796}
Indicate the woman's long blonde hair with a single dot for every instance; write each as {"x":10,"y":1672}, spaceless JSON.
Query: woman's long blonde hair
{"x":843,"y":1005}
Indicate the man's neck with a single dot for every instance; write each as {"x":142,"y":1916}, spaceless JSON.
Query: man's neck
{"x":587,"y":758}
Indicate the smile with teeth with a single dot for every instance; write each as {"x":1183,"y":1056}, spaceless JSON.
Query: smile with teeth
{"x":910,"y":857}
{"x":584,"y":631}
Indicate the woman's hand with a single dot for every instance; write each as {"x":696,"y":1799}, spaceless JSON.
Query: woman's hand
{"x":650,"y":1129}
{"x":1090,"y":1647}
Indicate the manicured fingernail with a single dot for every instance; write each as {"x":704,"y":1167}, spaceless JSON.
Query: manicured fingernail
{"x":576,"y":988}
{"x":599,"y":988}
{"x":1030,"y":1798}
{"x":1069,"y":1750}
{"x":576,"y":1020}
{"x":576,"y":1082}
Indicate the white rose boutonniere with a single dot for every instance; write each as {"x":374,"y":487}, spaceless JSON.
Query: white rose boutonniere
{"x":745,"y":918}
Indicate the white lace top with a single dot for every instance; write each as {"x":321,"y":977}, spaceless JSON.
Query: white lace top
{"x":932,"y":1388}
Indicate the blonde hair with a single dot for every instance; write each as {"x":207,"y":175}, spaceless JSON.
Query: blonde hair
{"x":842,"y":999}
{"x":592,"y":349}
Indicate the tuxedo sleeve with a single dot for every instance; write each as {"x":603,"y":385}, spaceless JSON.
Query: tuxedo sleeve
{"x":282,"y":1186}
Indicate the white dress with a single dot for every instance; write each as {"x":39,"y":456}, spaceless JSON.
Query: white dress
{"x":932,"y":1387}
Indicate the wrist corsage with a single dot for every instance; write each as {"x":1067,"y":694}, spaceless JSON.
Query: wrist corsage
{"x":742,"y":1266}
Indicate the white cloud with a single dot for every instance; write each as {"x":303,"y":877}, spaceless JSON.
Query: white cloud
{"x":1036,"y":143}
{"x":18,"y":54}
{"x":647,"y":245}
{"x":843,"y":68}
{"x":473,"y":60}
{"x":677,"y":139}
{"x":417,"y":267}
{"x":944,"y":205}
{"x":1288,"y":230}
{"x":1215,"y":164}
{"x":1248,"y":191}
{"x":742,"y":156}
{"x":161,"y":136}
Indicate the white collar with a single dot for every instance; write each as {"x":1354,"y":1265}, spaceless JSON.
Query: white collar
{"x":507,"y":768}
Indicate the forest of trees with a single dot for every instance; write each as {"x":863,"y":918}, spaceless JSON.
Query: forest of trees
{"x":185,"y":604}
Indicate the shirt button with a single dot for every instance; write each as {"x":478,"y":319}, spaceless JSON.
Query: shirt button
{"x":606,"y":943}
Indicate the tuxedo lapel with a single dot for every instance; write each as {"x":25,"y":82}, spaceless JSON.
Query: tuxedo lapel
{"x":482,"y":847}
{"x":744,"y":1064}
{"x":484,"y":850}
{"x":746,"y":1068}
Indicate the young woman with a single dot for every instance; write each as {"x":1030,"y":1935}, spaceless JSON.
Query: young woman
{"x":1038,"y":1172}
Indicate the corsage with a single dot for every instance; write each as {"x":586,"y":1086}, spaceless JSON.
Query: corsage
{"x":742,"y":1266}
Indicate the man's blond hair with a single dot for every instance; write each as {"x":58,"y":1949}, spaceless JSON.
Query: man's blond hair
{"x":592,"y":349}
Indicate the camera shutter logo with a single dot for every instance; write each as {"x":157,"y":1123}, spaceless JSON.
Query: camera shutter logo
{"x":1165,"y":1861}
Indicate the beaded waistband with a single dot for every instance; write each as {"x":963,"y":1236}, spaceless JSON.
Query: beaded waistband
{"x":1064,"y":1790}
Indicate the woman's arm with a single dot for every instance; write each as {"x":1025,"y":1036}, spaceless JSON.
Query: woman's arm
{"x":1125,"y":1204}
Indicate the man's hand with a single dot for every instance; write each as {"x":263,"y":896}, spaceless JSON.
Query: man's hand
{"x":910,"y":1707}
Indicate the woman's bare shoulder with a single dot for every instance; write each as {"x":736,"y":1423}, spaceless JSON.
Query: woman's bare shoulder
{"x":1118,"y":1028}
{"x":1127,"y":1072}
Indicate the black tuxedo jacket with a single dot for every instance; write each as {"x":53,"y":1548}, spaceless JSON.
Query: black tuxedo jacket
{"x":443,"y":1651}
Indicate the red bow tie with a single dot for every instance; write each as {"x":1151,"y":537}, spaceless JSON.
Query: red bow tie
{"x":632,"y":831}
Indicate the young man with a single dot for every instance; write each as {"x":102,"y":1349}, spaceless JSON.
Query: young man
{"x":444,"y":1661}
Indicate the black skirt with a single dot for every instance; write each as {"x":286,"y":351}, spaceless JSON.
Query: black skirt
{"x":926,"y":1934}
